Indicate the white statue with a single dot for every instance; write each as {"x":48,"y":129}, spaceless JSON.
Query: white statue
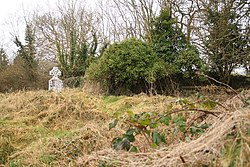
{"x":55,"y":84}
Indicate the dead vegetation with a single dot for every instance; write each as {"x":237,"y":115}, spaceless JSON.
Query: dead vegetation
{"x":39,"y":128}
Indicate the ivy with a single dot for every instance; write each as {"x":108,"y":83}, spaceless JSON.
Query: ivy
{"x":148,"y":124}
{"x":157,"y":138}
{"x":124,"y":142}
{"x":113,"y":124}
{"x":180,"y":122}
{"x":194,"y":130}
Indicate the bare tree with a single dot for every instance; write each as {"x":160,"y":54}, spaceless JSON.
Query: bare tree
{"x":129,"y":18}
{"x":67,"y":32}
{"x":224,"y":35}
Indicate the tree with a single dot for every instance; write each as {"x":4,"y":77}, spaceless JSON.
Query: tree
{"x":75,"y":62}
{"x":128,"y":19}
{"x":27,"y":51}
{"x":70,"y":33}
{"x":3,"y":59}
{"x":131,"y":65}
{"x":227,"y":43}
{"x":171,"y":45}
{"x":26,"y":54}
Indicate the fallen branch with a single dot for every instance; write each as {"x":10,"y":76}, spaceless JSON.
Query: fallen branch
{"x":219,"y":82}
{"x":193,"y":109}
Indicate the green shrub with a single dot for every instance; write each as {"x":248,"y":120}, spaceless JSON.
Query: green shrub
{"x":128,"y":66}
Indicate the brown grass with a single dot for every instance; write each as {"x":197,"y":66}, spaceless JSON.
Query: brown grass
{"x":40,"y":128}
{"x":205,"y":150}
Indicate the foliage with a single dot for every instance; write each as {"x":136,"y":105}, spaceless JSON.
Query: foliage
{"x":16,"y":77}
{"x":75,"y":61}
{"x":123,"y":66}
{"x":171,"y":45}
{"x":24,"y":72}
{"x":149,"y":124}
{"x":73,"y":82}
{"x":70,"y":36}
{"x":27,"y":52}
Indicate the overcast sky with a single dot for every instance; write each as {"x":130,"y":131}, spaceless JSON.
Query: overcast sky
{"x":11,"y":10}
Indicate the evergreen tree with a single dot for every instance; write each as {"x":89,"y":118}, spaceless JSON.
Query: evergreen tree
{"x":171,"y":45}
{"x":26,"y":54}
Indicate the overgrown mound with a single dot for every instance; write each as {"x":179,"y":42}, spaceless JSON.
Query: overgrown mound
{"x":40,"y":128}
{"x":225,"y":143}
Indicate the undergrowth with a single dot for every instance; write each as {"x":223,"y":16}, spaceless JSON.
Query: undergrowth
{"x":40,"y":128}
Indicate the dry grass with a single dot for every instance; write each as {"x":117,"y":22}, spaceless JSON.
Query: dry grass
{"x":207,"y":150}
{"x":40,"y":128}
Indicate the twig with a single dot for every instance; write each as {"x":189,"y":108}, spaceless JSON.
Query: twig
{"x":222,"y":83}
{"x":177,"y":111}
{"x":193,"y":120}
{"x":194,"y":109}
{"x":144,"y":134}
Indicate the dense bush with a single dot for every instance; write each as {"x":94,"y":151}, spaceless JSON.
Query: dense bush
{"x":127,"y":67}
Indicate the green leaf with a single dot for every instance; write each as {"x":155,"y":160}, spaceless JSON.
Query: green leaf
{"x":113,"y":124}
{"x":144,"y":122}
{"x":130,"y":131}
{"x":153,"y":125}
{"x":163,"y":138}
{"x":180,"y":122}
{"x":133,"y":149}
{"x":121,"y":143}
{"x":157,"y":138}
{"x":209,"y":104}
{"x":130,"y":113}
{"x":193,"y":130}
{"x":166,"y":119}
{"x":131,"y":138}
{"x":182,"y":128}
{"x":179,"y":119}
{"x":204,"y":126}
{"x":154,"y":145}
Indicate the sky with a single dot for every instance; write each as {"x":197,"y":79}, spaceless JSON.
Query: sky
{"x":11,"y":14}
